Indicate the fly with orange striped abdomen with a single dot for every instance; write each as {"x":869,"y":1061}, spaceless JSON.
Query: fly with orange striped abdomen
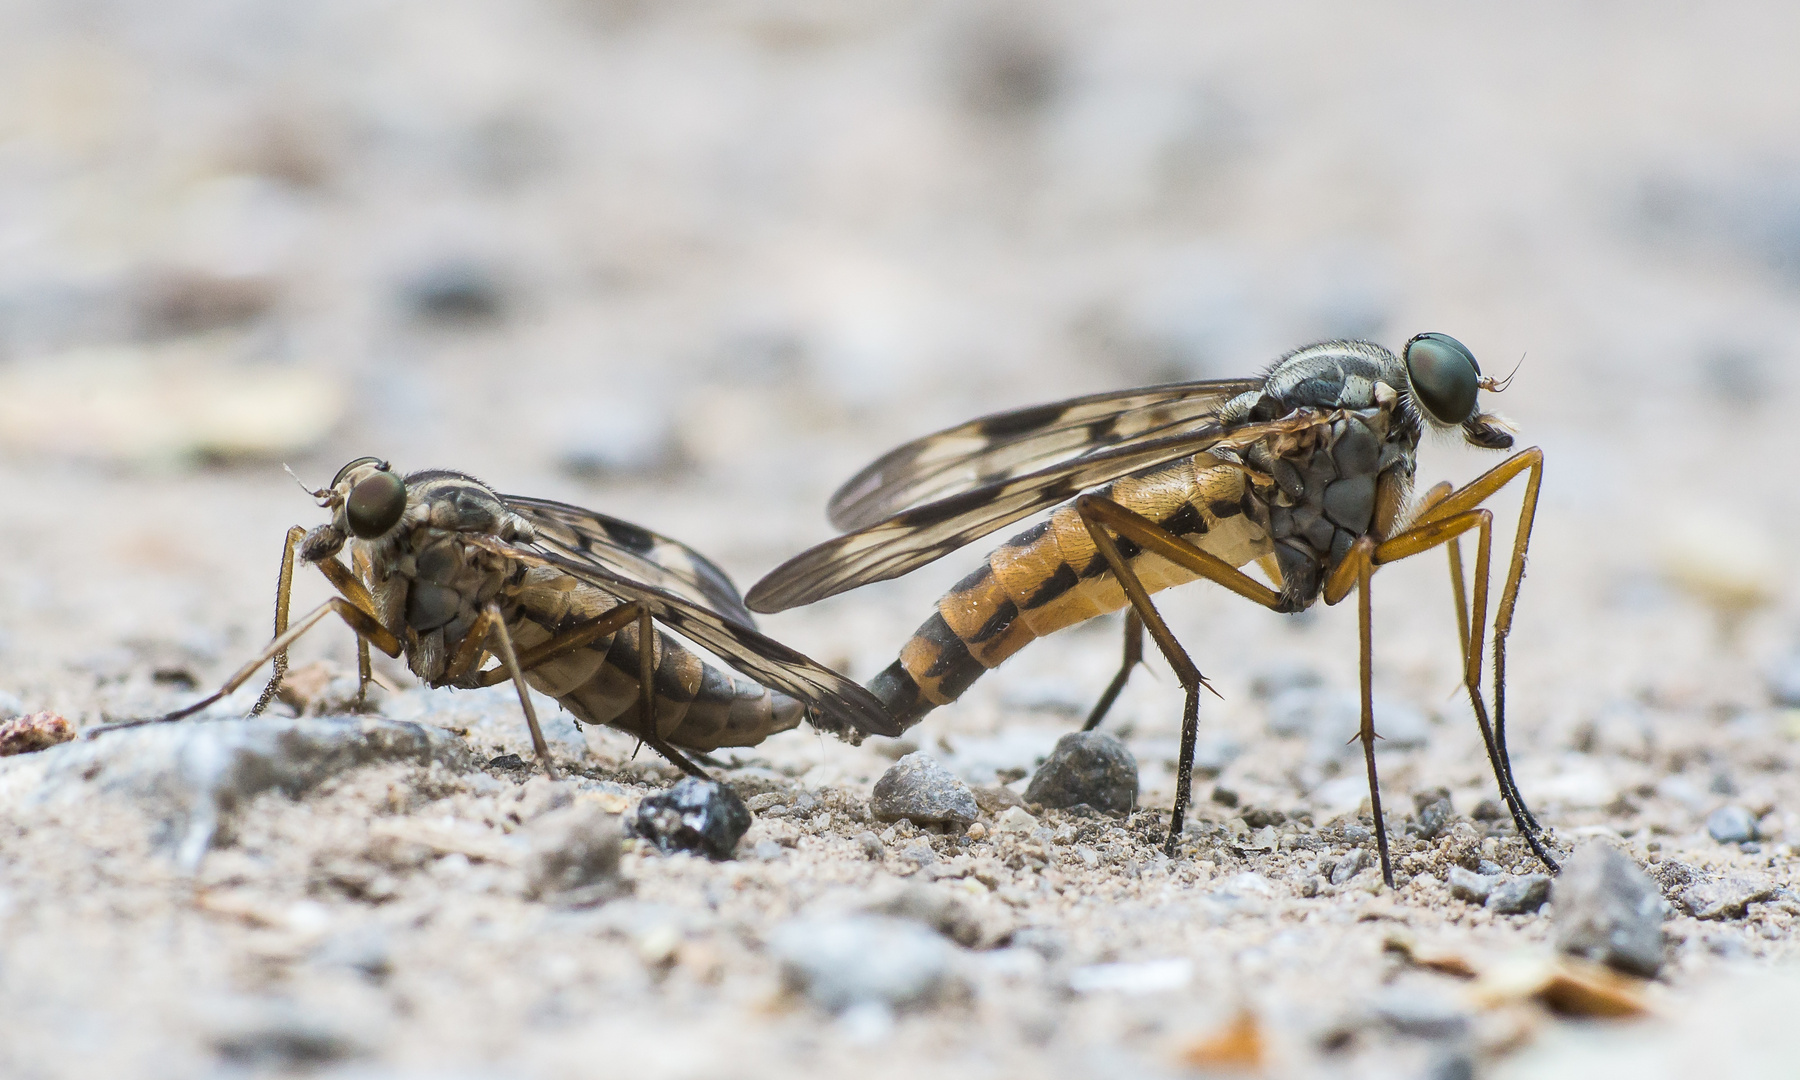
{"x":1306,"y":470}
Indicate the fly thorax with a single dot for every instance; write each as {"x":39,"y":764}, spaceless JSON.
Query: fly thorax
{"x":1321,"y":493}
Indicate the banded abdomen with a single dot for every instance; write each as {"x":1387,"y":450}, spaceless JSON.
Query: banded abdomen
{"x":698,"y":706}
{"x":1052,"y":576}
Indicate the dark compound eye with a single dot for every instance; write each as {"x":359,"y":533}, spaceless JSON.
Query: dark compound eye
{"x":1444,"y":376}
{"x":375,"y":505}
{"x":357,"y":464}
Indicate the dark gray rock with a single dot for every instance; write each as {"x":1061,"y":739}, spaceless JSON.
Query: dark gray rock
{"x":854,"y":960}
{"x":1519,"y":895}
{"x":695,"y":815}
{"x":1433,"y":813}
{"x":1608,"y":910}
{"x":1731,"y":825}
{"x":1089,"y":767}
{"x":1470,"y":886}
{"x":1726,"y":897}
{"x":920,"y":790}
{"x":195,"y":776}
{"x":574,"y":857}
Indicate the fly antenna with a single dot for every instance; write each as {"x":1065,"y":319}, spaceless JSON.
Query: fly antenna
{"x":1499,"y":386}
{"x":319,"y":494}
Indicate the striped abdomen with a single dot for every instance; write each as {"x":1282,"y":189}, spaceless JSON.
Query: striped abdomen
{"x":1051,"y":576}
{"x":698,"y":706}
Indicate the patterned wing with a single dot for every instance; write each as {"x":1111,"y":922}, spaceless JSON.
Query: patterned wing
{"x":837,"y":704}
{"x":632,"y":552}
{"x":914,"y":537}
{"x":1007,"y":445}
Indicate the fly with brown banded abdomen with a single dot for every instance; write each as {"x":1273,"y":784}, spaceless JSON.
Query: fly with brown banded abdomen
{"x":449,"y":572}
{"x":1306,"y":470}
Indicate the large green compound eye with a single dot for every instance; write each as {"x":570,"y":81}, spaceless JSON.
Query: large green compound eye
{"x":357,"y":464}
{"x":1444,"y":376}
{"x":375,"y":505}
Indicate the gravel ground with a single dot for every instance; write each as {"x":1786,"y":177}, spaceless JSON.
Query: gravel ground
{"x":693,"y":264}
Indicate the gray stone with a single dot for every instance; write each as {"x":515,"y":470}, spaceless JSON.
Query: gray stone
{"x":1731,"y":825}
{"x":1433,"y":813}
{"x":1784,"y":682}
{"x":1608,"y":910}
{"x":870,"y":845}
{"x":574,"y":857}
{"x":194,"y":776}
{"x":1519,"y":895}
{"x":695,"y":815}
{"x":1470,"y":886}
{"x":1089,"y":767}
{"x":277,"y":1037}
{"x":920,"y":790}
{"x":843,"y":962}
{"x":1421,"y":1015}
{"x":1349,"y":866}
{"x":1726,"y":897}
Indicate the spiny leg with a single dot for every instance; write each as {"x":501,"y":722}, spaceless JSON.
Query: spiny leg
{"x":359,"y":620}
{"x":503,"y":647}
{"x":284,"y":588}
{"x":561,"y":645}
{"x":1440,"y":530}
{"x":1100,"y":514}
{"x":647,"y":698}
{"x":1134,"y":655}
{"x":1475,"y":492}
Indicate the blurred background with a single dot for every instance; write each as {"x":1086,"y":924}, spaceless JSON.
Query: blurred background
{"x":694,"y":263}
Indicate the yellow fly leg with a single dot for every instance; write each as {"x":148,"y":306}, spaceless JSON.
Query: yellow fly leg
{"x":503,"y":648}
{"x":647,"y":698}
{"x":1134,"y":655}
{"x":1443,"y":522}
{"x":1103,"y":517}
{"x":1477,"y":491}
{"x":284,"y":588}
{"x":567,"y":642}
{"x":346,"y":583}
{"x":365,"y":625}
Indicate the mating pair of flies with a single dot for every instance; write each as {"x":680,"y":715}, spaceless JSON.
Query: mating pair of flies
{"x":1306,"y":470}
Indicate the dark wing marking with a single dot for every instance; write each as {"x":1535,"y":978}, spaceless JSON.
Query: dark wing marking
{"x":1006,"y":445}
{"x":912,"y":538}
{"x":837,"y":704}
{"x":631,"y":551}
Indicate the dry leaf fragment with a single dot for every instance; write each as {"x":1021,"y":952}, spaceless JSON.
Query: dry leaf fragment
{"x":1568,"y":986}
{"x":1238,"y":1045}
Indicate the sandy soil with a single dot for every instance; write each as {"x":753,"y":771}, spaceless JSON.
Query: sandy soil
{"x":693,"y":264}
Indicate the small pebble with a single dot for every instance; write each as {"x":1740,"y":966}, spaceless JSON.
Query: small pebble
{"x":574,"y":857}
{"x":916,"y":788}
{"x":1731,"y":825}
{"x":1607,"y":910}
{"x":1016,"y":820}
{"x":1725,"y":898}
{"x":843,"y":962}
{"x":768,"y":850}
{"x":1089,"y":767}
{"x":871,"y":846}
{"x":1349,"y":866}
{"x":1421,"y":1015}
{"x":694,"y":815}
{"x":1470,"y":886}
{"x":1224,"y":796}
{"x":1784,"y":682}
{"x":1519,"y":895}
{"x":1433,"y":813}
